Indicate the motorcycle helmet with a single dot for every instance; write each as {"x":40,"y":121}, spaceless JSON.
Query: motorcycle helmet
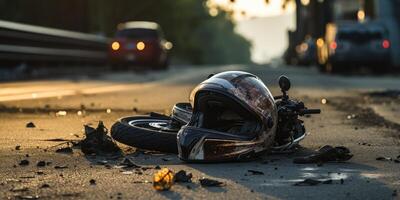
{"x":234,"y":118}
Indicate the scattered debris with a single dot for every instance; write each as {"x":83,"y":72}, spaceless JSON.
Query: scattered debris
{"x":30,"y":125}
{"x":67,"y":150}
{"x":59,"y":140}
{"x":61,"y":113}
{"x":26,"y":197}
{"x":19,"y":189}
{"x":102,"y":162}
{"x":76,"y":194}
{"x":163,"y":179}
{"x":60,"y":166}
{"x":384,"y":158}
{"x":97,"y":141}
{"x":18,"y":147}
{"x":312,"y":182}
{"x":146,"y":168}
{"x":352,"y":116}
{"x":364,"y":144}
{"x":326,"y":154}
{"x":255,"y":172}
{"x":27,"y":177}
{"x":40,"y":173}
{"x":206,"y":182}
{"x":41,"y":163}
{"x":395,"y":160}
{"x":92,"y":182}
{"x":385,"y":93}
{"x":128,"y":163}
{"x":182,"y":176}
{"x":24,"y":162}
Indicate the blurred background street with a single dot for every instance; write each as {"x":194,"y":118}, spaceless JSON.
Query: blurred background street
{"x":64,"y":64}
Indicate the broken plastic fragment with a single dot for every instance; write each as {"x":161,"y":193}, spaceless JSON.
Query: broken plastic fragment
{"x":326,"y":154}
{"x":312,"y":182}
{"x":206,"y":182}
{"x":64,"y":150}
{"x":97,"y":141}
{"x":183,"y":177}
{"x":24,"y":162}
{"x":61,"y":113}
{"x":127,"y":162}
{"x":30,"y":125}
{"x":41,"y":163}
{"x":254,"y":172}
{"x":384,"y":158}
{"x":163,"y":179}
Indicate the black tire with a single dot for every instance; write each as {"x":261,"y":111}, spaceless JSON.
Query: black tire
{"x":133,"y":131}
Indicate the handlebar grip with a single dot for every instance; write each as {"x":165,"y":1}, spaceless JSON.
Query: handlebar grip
{"x":310,"y":111}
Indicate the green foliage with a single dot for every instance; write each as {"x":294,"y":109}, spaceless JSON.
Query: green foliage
{"x":197,"y":37}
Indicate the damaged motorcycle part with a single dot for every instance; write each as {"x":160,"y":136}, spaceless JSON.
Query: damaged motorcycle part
{"x":326,"y":154}
{"x":147,"y":132}
{"x":97,"y":141}
{"x":291,"y":133}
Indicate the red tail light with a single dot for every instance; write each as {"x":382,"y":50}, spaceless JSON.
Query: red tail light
{"x":333,"y":45}
{"x":386,"y":44}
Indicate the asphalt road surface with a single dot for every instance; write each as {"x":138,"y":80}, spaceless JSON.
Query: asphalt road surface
{"x":367,"y":123}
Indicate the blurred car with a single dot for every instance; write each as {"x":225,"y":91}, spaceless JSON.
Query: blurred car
{"x":140,"y":42}
{"x":352,"y":44}
{"x":306,"y":52}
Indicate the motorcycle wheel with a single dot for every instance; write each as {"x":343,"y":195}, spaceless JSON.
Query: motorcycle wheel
{"x":156,"y":133}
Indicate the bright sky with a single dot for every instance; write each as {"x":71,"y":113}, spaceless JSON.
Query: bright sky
{"x":265,"y":25}
{"x":254,"y":8}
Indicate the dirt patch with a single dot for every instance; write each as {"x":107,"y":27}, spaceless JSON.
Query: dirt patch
{"x":358,"y":110}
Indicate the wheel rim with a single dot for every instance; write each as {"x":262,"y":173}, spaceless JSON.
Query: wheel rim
{"x":154,"y":124}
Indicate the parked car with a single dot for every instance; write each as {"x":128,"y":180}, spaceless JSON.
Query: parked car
{"x":140,"y":43}
{"x":351,"y":44}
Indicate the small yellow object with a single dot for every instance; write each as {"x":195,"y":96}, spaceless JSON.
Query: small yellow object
{"x":323,"y":101}
{"x":163,"y":179}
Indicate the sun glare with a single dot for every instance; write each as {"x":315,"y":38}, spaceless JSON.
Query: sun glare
{"x":245,"y":9}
